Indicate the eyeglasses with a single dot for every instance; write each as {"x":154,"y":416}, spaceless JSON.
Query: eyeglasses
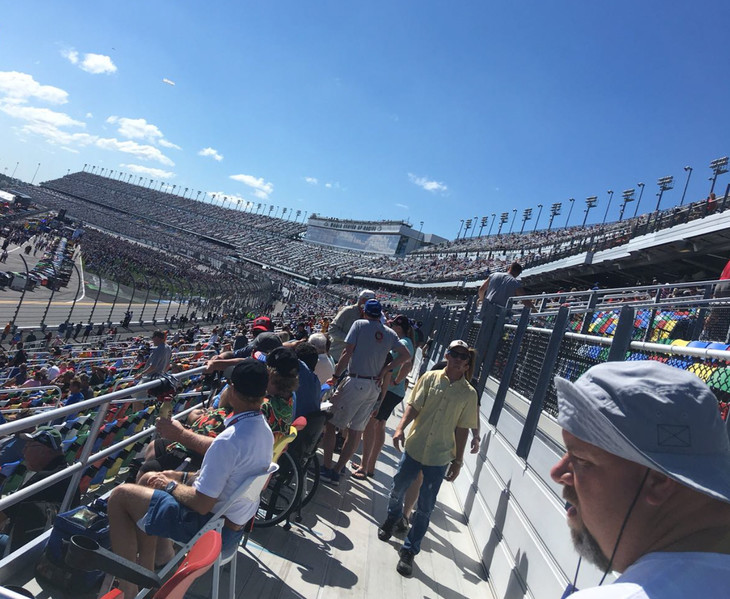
{"x":459,"y":355}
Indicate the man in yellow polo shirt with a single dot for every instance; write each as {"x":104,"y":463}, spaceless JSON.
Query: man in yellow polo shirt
{"x":442,"y":407}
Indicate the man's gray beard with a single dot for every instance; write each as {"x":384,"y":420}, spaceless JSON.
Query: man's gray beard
{"x":587,"y":547}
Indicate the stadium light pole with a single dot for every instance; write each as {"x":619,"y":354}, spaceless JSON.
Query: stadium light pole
{"x":554,"y":211}
{"x":467,"y":227}
{"x":526,"y":215}
{"x":610,"y":197}
{"x":665,"y":183}
{"x":15,"y":169}
{"x":485,"y":220}
{"x":514,"y":215}
{"x":628,"y":196}
{"x":641,"y":193}
{"x":34,"y":174}
{"x":491,"y":224}
{"x":503,"y":218}
{"x":719,"y":167}
{"x":537,"y":220}
{"x":474,"y":228}
{"x":460,"y":227}
{"x":570,"y":211}
{"x":688,"y":170}
{"x":590,"y":203}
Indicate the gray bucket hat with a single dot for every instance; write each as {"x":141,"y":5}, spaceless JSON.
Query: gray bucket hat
{"x":662,"y":417}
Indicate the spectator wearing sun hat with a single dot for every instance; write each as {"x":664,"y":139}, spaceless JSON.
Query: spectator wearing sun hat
{"x":646,"y":475}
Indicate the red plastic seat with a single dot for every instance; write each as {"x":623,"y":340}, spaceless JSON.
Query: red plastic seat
{"x":197,"y":562}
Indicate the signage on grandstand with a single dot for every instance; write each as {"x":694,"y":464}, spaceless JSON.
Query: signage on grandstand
{"x":6,"y":197}
{"x":355,"y":225}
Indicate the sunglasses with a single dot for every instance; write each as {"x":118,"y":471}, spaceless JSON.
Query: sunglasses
{"x":459,"y":355}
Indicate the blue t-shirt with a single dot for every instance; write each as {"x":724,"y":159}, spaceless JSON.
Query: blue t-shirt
{"x":400,"y":388}
{"x":306,"y":397}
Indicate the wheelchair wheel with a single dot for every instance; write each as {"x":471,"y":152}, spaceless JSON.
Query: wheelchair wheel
{"x":310,"y":480}
{"x":280,"y":496}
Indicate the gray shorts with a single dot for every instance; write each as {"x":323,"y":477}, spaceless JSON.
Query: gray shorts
{"x":353,"y":403}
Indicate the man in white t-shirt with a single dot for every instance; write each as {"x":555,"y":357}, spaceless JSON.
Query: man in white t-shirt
{"x":646,"y":475}
{"x":174,"y":505}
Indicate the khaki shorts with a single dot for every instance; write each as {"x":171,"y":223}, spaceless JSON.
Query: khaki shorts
{"x":353,"y":403}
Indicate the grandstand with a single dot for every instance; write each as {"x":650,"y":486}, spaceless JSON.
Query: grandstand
{"x":512,"y":508}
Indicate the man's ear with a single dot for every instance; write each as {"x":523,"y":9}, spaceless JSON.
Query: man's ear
{"x":658,"y":488}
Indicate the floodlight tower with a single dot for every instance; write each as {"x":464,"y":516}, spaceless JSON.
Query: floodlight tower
{"x":628,"y":197}
{"x":610,"y":197}
{"x":460,"y":227}
{"x":554,"y":211}
{"x":665,"y":183}
{"x":590,"y":204}
{"x":491,"y":224}
{"x":526,"y":215}
{"x":485,"y":220}
{"x":719,"y":167}
{"x":504,"y":217}
{"x":514,"y":215}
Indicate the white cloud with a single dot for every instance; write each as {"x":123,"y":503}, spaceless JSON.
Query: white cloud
{"x":311,"y":180}
{"x":328,"y":185}
{"x":212,"y":153}
{"x":425,"y":183}
{"x":38,"y":115}
{"x":149,"y":171}
{"x":89,"y":115}
{"x":402,"y":206}
{"x":166,"y":80}
{"x":19,"y":87}
{"x":98,"y":64}
{"x":262,"y":189}
{"x":140,"y":129}
{"x":145,"y":152}
{"x":168,"y":144}
{"x":54,"y":135}
{"x":71,"y":55}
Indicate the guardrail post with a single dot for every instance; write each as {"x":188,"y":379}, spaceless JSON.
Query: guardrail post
{"x":543,"y":382}
{"x":114,"y":303}
{"x":590,"y":312}
{"x":509,"y":367}
{"x":622,"y":335}
{"x":702,"y":315}
{"x":487,"y":348}
{"x":652,"y":318}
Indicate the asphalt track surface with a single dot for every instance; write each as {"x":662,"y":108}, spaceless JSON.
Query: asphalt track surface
{"x":78,"y":301}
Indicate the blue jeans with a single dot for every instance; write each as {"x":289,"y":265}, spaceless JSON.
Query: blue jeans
{"x":433,"y":476}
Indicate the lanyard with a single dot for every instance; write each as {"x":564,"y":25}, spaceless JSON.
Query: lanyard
{"x":242,"y":416}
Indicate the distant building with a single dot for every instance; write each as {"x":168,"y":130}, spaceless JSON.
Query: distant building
{"x":387,"y":237}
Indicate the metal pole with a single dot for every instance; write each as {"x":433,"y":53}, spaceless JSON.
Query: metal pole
{"x":641,"y":193}
{"x":146,"y":297}
{"x":114,"y":303}
{"x":570,"y":210}
{"x":543,"y":381}
{"x":686,"y":183}
{"x":159,"y":297}
{"x":98,"y":292}
{"x":22,"y":295}
{"x":50,"y":299}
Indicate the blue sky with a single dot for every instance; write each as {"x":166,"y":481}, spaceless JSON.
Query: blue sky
{"x":420,"y":110}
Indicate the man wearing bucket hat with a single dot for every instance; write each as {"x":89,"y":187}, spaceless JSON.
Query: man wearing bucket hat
{"x":646,"y":475}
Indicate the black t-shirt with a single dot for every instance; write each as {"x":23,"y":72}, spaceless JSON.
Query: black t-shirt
{"x":29,"y":517}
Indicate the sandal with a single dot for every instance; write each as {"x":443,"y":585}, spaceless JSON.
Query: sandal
{"x":359,"y":475}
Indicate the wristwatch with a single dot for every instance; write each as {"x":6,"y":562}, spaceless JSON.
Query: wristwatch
{"x":171,"y":486}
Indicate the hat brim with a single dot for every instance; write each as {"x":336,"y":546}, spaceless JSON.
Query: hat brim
{"x":579,"y":415}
